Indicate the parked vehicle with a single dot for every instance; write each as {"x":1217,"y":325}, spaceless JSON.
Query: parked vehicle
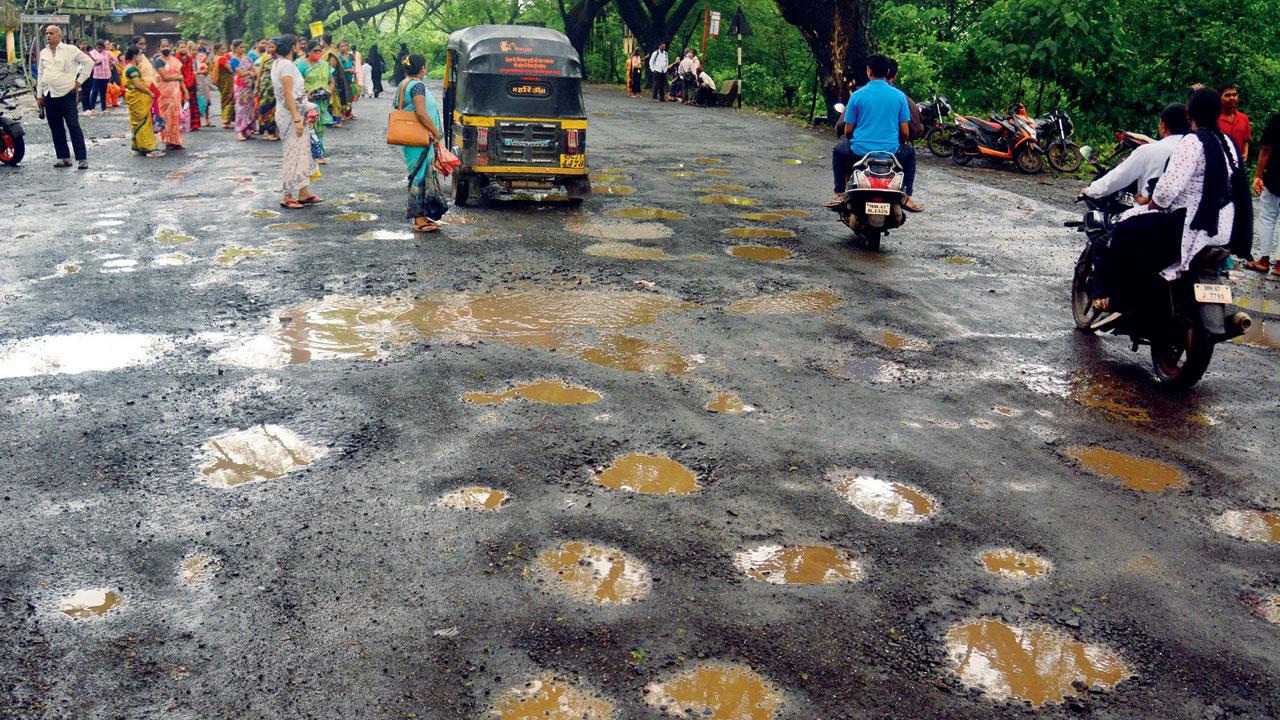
{"x":1126,"y":142}
{"x":1054,"y":133}
{"x":873,"y":198}
{"x":12,"y":144}
{"x":1181,"y":320}
{"x":937,"y":133}
{"x":1011,"y":137}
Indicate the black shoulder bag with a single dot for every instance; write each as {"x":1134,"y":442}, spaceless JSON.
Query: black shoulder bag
{"x":1241,"y":244}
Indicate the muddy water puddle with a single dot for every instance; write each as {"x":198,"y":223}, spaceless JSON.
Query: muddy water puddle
{"x":895,"y":341}
{"x":172,"y":260}
{"x":291,"y":226}
{"x":633,"y":354}
{"x":799,"y":565}
{"x":959,"y":260}
{"x":593,"y":574}
{"x":762,"y":217}
{"x":889,"y":501}
{"x":1015,"y":564}
{"x":198,"y":567}
{"x":550,"y":698}
{"x":262,"y":452}
{"x":648,"y":475}
{"x":727,"y":403}
{"x":89,"y":604}
{"x":385,"y":235}
{"x":172,"y":236}
{"x":264,"y":214}
{"x":681,"y":173}
{"x":718,"y":172}
{"x":791,"y":213}
{"x":485,"y":499}
{"x":618,"y":229}
{"x":613,"y":189}
{"x":1263,"y":334}
{"x":646,"y":213}
{"x":1133,"y":472}
{"x":627,"y":251}
{"x":234,"y":254}
{"x":1034,"y":663}
{"x":717,"y":691}
{"x":354,"y":217}
{"x":607,"y":178}
{"x":722,"y":199}
{"x":77,"y":353}
{"x":1251,"y":525}
{"x":758,"y":233}
{"x":816,"y":301}
{"x":760,"y":253}
{"x":549,"y":392}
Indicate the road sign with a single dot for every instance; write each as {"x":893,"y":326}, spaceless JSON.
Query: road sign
{"x":739,"y":25}
{"x":45,"y":19}
{"x":317,"y":29}
{"x":715,"y":23}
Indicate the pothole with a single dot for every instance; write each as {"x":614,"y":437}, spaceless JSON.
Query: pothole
{"x":718,"y":172}
{"x":760,"y":253}
{"x":550,"y":392}
{"x":613,"y":189}
{"x":1263,"y":334}
{"x":646,"y":213}
{"x":872,"y":370}
{"x":799,"y":565}
{"x":89,"y":604}
{"x":632,"y":354}
{"x":627,"y":251}
{"x":758,"y":233}
{"x":792,"y":161}
{"x":385,"y":235}
{"x":114,"y":264}
{"x":681,"y":173}
{"x":787,"y":304}
{"x":262,"y":452}
{"x":172,"y":260}
{"x":721,"y":199}
{"x":263,"y":214}
{"x":354,"y":217}
{"x":890,"y":501}
{"x":172,"y":236}
{"x":234,"y":254}
{"x":1251,"y":525}
{"x":474,"y":498}
{"x":958,"y":260}
{"x":607,"y":179}
{"x":762,"y":217}
{"x":291,"y":226}
{"x":550,"y":698}
{"x":593,"y":574}
{"x":648,"y":475}
{"x":708,"y":161}
{"x":618,"y":229}
{"x":724,"y":188}
{"x":792,"y":213}
{"x":717,"y":691}
{"x":894,"y":341}
{"x":1133,"y":472}
{"x":1109,"y":396}
{"x":1034,"y":663}
{"x":1015,"y":564}
{"x":727,"y":403}
{"x":196,"y":568}
{"x":77,"y":353}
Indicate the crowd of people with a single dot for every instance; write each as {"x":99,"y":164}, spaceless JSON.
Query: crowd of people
{"x":683,"y":80}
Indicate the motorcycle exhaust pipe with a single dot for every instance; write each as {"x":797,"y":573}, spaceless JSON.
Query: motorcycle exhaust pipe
{"x":1237,"y":324}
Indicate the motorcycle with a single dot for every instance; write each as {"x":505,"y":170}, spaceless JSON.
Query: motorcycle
{"x":1126,"y":143}
{"x":12,"y":145}
{"x":1054,"y":133}
{"x":937,"y":136}
{"x":1011,"y":137}
{"x":1181,"y":320}
{"x":873,"y":198}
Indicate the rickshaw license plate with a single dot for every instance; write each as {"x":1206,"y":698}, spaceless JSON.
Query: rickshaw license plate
{"x":573,"y":161}
{"x":878,"y":208}
{"x":1220,"y":294}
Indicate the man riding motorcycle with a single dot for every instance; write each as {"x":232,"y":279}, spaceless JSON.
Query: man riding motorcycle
{"x":876,"y":117}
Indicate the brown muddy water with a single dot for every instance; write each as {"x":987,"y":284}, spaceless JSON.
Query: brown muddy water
{"x":760,"y":253}
{"x":637,"y":355}
{"x":799,"y":565}
{"x":1015,"y":564}
{"x":262,"y":452}
{"x":549,"y":392}
{"x":592,"y":574}
{"x":1133,"y":472}
{"x":762,"y":217}
{"x":1035,"y":663}
{"x":613,"y":189}
{"x":718,"y":172}
{"x":89,"y":604}
{"x":197,"y":568}
{"x":791,"y":213}
{"x":816,"y":301}
{"x":627,"y":251}
{"x":291,"y":226}
{"x":234,"y":254}
{"x":1251,"y":525}
{"x":263,"y":214}
{"x":648,"y":475}
{"x":720,"y":199}
{"x":354,"y":217}
{"x":726,"y":403}
{"x":485,"y":499}
{"x":889,"y":501}
{"x":716,"y":691}
{"x":618,"y":229}
{"x":550,"y":698}
{"x":894,"y":341}
{"x":758,"y":233}
{"x":646,"y":213}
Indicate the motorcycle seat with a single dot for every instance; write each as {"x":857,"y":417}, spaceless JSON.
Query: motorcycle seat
{"x":1210,"y":258}
{"x":993,"y":127}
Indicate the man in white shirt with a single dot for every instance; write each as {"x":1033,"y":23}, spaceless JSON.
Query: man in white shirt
{"x":1145,"y":164}
{"x":658,"y":72}
{"x":706,"y":94}
{"x":63,"y":68}
{"x":687,"y":77}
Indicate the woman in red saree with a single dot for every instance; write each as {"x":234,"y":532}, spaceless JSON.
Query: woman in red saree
{"x":186,"y":54}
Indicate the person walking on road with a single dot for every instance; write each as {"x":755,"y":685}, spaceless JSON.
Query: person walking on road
{"x":242,"y":69}
{"x":293,"y":113}
{"x":62,"y":70}
{"x":426,"y":200}
{"x":378,"y":65}
{"x":658,"y":72}
{"x":138,"y":98}
{"x":1266,"y":183}
{"x":102,"y":62}
{"x":635,"y":72}
{"x":397,"y":73}
{"x":1233,"y":123}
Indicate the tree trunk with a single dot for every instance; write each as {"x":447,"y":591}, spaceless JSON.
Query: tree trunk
{"x":654,"y":21}
{"x":836,"y":32}
{"x":233,"y":24}
{"x":579,"y":18}
{"x":289,"y":18}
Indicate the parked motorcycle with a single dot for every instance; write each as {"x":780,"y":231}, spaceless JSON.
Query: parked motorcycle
{"x":1054,"y":133}
{"x":12,"y":145}
{"x":1126,"y":143}
{"x":1011,"y":137}
{"x":873,"y":198}
{"x":937,"y":135}
{"x":1181,"y":320}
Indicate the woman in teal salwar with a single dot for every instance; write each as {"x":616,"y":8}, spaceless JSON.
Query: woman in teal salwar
{"x":426,"y":199}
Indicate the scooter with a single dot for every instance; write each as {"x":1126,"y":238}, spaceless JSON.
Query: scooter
{"x":873,"y":198}
{"x":12,"y":145}
{"x":937,"y":136}
{"x":1003,"y":138}
{"x":1181,"y":320}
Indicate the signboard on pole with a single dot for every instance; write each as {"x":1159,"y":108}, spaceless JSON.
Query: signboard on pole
{"x":45,"y":19}
{"x":715,"y":23}
{"x":739,"y":25}
{"x":317,"y":29}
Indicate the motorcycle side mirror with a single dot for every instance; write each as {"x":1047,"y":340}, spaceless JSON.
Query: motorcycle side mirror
{"x":839,"y":108}
{"x":1089,"y":154}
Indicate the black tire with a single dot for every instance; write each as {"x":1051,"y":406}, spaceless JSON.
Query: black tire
{"x":871,"y":239}
{"x":461,"y":188}
{"x":11,"y":149}
{"x":938,"y":141}
{"x":1080,"y":300}
{"x":1181,"y":363}
{"x":1029,"y":160}
{"x":1065,"y":157}
{"x":958,"y":157}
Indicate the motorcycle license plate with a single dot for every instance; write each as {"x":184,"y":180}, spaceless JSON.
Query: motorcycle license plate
{"x":878,"y":208}
{"x":1220,"y":294}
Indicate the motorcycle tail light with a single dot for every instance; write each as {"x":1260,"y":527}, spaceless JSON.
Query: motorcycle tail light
{"x":571,"y":141}
{"x":482,"y":139}
{"x":1119,"y":136}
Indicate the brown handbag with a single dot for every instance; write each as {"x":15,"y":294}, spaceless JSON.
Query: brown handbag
{"x":403,"y":127}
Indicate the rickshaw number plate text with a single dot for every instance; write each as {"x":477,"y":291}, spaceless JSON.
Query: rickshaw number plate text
{"x":573,"y":161}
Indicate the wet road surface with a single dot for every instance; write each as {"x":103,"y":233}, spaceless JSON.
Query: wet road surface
{"x":683,"y":451}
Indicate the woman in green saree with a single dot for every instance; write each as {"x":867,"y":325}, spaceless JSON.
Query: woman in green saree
{"x":317,"y":75}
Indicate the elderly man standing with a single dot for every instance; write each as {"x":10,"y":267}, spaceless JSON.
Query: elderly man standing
{"x":63,"y":68}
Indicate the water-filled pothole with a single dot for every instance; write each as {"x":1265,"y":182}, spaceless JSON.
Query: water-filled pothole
{"x":958,"y":260}
{"x":1252,"y":525}
{"x":890,"y":501}
{"x":1107,"y":394}
{"x":815,"y":301}
{"x":627,"y":251}
{"x":1015,"y":564}
{"x":613,"y":189}
{"x":354,"y":217}
{"x":762,"y":217}
{"x":88,"y":604}
{"x":760,"y":253}
{"x":172,"y":236}
{"x":263,"y":214}
{"x":607,"y":178}
{"x":550,"y":698}
{"x":792,"y":213}
{"x":79,"y":353}
{"x":197,"y":568}
{"x":385,"y":235}
{"x":262,"y":452}
{"x":708,"y":161}
{"x":717,"y":691}
{"x":727,"y":403}
{"x":486,"y":499}
{"x":593,"y":573}
{"x":234,"y":254}
{"x":1133,"y":472}
{"x":633,"y":354}
{"x":718,"y":172}
{"x":550,"y":392}
{"x":721,"y":199}
{"x":113,"y":264}
{"x":758,"y":233}
{"x":648,"y":475}
{"x":1263,"y":334}
{"x":894,"y":341}
{"x":291,"y":226}
{"x":618,"y":229}
{"x":681,"y":173}
{"x":646,"y":213}
{"x":172,"y":260}
{"x":1034,"y":663}
{"x":799,"y":565}
{"x":792,"y":161}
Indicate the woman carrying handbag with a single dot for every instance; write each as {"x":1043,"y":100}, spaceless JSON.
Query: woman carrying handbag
{"x":415,"y":124}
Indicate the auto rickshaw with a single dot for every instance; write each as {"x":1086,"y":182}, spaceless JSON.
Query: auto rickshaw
{"x":513,"y":113}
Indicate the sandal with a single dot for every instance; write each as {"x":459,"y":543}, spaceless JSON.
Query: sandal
{"x":1261,"y":265}
{"x":291,"y":205}
{"x":428,"y":226}
{"x":310,"y":200}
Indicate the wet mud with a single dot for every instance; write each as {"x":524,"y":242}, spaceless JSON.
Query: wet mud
{"x":548,"y":392}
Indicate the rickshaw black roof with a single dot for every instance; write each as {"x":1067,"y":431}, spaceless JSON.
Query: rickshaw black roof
{"x":478,"y":42}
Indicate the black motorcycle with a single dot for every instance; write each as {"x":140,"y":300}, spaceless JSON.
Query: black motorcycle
{"x":1181,"y":320}
{"x":1054,"y":131}
{"x":12,"y":146}
{"x":937,"y":136}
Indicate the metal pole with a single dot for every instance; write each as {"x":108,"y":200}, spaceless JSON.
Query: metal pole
{"x":706,"y":20}
{"x":739,"y":71}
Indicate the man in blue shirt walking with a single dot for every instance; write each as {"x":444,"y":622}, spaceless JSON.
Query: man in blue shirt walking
{"x":877,"y":115}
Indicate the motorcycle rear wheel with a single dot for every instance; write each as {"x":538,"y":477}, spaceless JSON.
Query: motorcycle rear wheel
{"x":958,"y":157}
{"x":1181,"y":363}
{"x":1065,"y":157}
{"x":1029,"y":160}
{"x":938,"y":141}
{"x":11,"y":149}
{"x":870,"y":239}
{"x":1081,"y":303}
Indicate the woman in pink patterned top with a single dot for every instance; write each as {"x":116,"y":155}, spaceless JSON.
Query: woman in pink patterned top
{"x":102,"y":61}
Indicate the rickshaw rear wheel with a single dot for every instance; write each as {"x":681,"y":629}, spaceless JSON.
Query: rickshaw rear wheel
{"x":461,"y":188}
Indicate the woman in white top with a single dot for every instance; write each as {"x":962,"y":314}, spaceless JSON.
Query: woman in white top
{"x":292,"y":107}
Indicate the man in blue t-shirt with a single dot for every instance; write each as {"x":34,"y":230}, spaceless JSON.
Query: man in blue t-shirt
{"x":877,"y":115}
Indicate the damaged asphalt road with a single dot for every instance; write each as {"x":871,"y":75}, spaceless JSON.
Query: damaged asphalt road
{"x":685,"y":449}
